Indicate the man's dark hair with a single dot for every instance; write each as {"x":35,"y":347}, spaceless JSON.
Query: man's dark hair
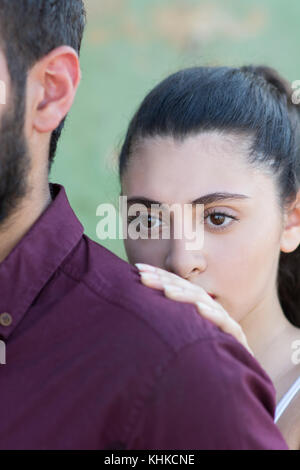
{"x":29,"y":30}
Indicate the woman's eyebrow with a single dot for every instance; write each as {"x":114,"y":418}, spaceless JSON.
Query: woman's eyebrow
{"x":219,"y":196}
{"x":206,"y":199}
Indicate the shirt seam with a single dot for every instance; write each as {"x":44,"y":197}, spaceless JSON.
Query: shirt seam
{"x":157,"y":376}
{"x":225,"y":379}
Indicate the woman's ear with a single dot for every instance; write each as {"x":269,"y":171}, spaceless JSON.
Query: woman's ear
{"x":53,"y":83}
{"x":290,"y":238}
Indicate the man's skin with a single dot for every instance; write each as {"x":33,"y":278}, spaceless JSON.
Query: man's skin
{"x":51,"y":88}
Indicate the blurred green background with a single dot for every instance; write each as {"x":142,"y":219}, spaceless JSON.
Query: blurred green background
{"x":129,"y":46}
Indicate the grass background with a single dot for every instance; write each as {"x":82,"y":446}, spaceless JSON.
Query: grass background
{"x":129,"y":46}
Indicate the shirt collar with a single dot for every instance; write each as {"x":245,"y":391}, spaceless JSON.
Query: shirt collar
{"x":33,"y":261}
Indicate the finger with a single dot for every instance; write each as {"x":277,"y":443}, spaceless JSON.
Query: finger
{"x":165,"y":275}
{"x":151,"y":281}
{"x":185,"y":295}
{"x":174,"y":288}
{"x":211,"y":314}
{"x":193,"y":294}
{"x":158,"y":279}
{"x":239,"y":334}
{"x":145,"y":267}
{"x":162,"y":273}
{"x":173,"y":279}
{"x":224,"y":322}
{"x":230,"y":326}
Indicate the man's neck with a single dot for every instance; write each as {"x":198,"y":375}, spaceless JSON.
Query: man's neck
{"x":23,"y":218}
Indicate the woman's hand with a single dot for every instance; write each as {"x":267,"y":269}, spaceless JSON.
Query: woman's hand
{"x":177,"y":288}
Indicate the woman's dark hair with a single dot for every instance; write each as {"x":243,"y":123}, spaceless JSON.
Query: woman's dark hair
{"x":254,"y":100}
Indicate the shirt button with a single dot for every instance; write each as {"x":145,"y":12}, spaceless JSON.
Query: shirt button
{"x":5,"y":319}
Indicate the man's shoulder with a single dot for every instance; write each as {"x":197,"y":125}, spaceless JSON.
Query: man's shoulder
{"x":116,"y":284}
{"x":144,"y":318}
{"x":165,"y":342}
{"x":173,"y":325}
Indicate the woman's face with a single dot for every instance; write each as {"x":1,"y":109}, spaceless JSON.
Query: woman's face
{"x":238,"y":259}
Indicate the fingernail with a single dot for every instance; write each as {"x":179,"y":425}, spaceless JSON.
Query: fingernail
{"x":145,"y":266}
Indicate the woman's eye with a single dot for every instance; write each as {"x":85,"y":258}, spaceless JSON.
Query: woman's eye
{"x":218,"y":220}
{"x":146,"y":221}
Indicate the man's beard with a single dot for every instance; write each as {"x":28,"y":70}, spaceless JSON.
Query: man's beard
{"x":14,"y":158}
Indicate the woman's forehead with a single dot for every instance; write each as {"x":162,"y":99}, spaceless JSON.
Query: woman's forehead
{"x":206,"y":148}
{"x":204,"y":162}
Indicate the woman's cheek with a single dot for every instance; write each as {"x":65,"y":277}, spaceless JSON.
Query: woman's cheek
{"x":146,"y":251}
{"x":248,"y":280}
{"x":233,"y":276}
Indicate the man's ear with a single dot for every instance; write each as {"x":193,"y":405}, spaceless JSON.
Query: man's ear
{"x":290,"y":237}
{"x":52,"y":85}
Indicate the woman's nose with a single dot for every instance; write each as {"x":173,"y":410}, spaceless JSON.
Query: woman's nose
{"x":183,"y":262}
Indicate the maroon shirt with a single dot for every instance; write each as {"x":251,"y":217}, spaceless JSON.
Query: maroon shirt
{"x":97,"y":360}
